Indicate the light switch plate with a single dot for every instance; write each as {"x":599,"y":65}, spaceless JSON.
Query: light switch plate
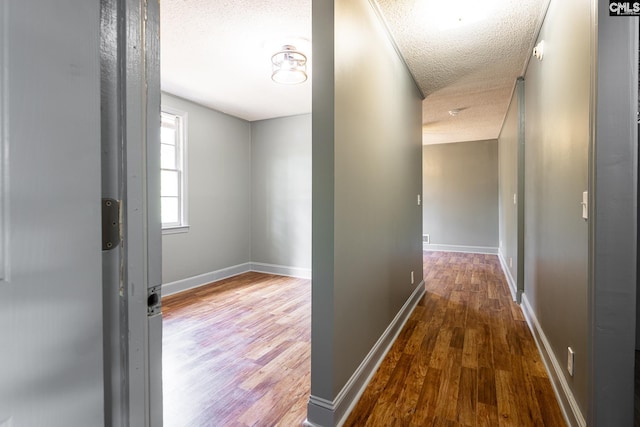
{"x":585,"y":205}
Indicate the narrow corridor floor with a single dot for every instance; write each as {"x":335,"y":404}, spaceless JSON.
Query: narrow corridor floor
{"x":465,"y":357}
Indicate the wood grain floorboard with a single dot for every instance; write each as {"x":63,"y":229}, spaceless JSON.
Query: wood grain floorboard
{"x":237,"y":353}
{"x":470,"y":359}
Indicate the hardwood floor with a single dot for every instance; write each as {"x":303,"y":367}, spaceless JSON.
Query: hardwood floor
{"x":465,"y":357}
{"x":237,"y":353}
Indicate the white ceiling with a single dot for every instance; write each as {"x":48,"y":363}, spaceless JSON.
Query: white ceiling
{"x":217,"y":53}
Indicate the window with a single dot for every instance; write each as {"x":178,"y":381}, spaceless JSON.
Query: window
{"x":173,"y":177}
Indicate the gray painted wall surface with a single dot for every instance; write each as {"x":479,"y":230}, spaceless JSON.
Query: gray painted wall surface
{"x":366,"y":177}
{"x":557,"y":140}
{"x":281,"y":191}
{"x":219,"y":194}
{"x":508,"y":176}
{"x":460,"y":185}
{"x":614,"y":210}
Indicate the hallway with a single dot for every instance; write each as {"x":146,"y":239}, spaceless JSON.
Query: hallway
{"x":465,"y":357}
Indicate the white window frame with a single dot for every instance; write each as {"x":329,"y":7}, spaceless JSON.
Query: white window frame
{"x":181,"y":152}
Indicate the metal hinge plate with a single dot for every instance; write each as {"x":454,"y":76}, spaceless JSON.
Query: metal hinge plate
{"x":110,"y":224}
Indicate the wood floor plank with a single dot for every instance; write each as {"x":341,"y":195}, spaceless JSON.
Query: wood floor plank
{"x":487,"y":415}
{"x":386,"y":411}
{"x":425,"y":409}
{"x":546,"y":402}
{"x":446,"y":404}
{"x":487,"y":386}
{"x":507,"y":396}
{"x":470,"y":348}
{"x":468,"y":396}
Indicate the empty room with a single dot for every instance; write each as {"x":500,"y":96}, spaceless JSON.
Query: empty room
{"x":240,"y":187}
{"x":236,"y":212}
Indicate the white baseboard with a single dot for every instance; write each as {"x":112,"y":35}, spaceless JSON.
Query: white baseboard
{"x":281,"y":270}
{"x":322,"y":412}
{"x":568,"y":404}
{"x":459,"y":248}
{"x":204,"y":279}
{"x":513,"y":287}
{"x":213,"y":276}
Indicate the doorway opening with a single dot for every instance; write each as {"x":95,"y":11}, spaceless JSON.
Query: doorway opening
{"x":236,"y":272}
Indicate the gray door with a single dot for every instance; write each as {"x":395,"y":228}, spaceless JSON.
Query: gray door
{"x":51,"y":348}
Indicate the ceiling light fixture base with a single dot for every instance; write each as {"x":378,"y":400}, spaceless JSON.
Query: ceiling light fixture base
{"x":289,"y":66}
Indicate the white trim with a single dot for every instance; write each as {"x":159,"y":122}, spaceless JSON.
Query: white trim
{"x":460,"y":248}
{"x":224,"y":273}
{"x":336,"y":412}
{"x":204,"y":279}
{"x":507,"y":273}
{"x":570,"y":409}
{"x":175,"y":230}
{"x":183,"y":227}
{"x":281,"y":270}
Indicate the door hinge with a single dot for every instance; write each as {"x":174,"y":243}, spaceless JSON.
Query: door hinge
{"x":110,"y":224}
{"x":154,"y":300}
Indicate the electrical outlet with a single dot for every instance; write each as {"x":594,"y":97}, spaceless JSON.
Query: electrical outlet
{"x":570,"y":359}
{"x":425,"y":238}
{"x":412,"y":281}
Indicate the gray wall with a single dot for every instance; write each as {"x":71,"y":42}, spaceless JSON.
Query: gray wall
{"x":219,"y":195}
{"x":366,"y":177}
{"x":281,"y":191}
{"x":249,"y":193}
{"x":613,"y":225}
{"x":557,"y":108}
{"x":508,"y":176}
{"x":460,"y":185}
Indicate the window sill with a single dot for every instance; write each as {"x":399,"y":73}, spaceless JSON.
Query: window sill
{"x":175,"y":230}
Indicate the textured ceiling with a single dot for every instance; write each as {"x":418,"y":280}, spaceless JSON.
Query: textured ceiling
{"x":465,"y":57}
{"x":217,"y":53}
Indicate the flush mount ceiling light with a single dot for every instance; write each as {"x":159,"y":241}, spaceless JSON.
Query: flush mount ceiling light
{"x":289,"y":66}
